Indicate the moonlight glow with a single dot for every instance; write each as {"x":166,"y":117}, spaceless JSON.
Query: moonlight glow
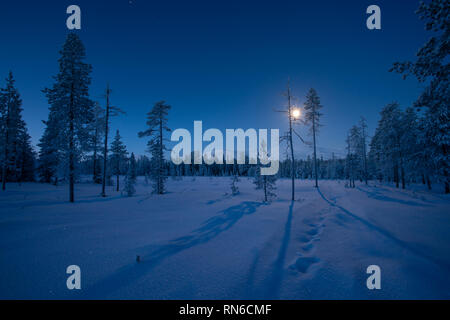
{"x":296,"y":113}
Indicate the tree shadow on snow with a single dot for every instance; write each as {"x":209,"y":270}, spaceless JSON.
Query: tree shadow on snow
{"x":405,"y":245}
{"x":382,"y":197}
{"x":210,"y":229}
{"x":274,"y":284}
{"x":46,"y":203}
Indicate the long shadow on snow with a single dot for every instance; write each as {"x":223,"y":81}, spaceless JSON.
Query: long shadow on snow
{"x":378,"y":196}
{"x":210,"y":229}
{"x":44,"y":203}
{"x":274,"y":284}
{"x":387,"y":234}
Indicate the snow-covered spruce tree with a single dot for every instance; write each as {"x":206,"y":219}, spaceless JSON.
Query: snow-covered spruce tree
{"x":49,"y":157}
{"x":50,"y":150}
{"x":118,"y":157}
{"x":312,"y":117}
{"x":130,"y":178}
{"x":432,"y":67}
{"x":17,"y":152}
{"x":233,"y":185}
{"x":386,"y":144}
{"x":133,"y":166}
{"x":266,"y":183}
{"x":157,"y":125}
{"x":70,"y":104}
{"x":357,"y":147}
{"x":11,"y":125}
{"x":356,"y":162}
{"x":144,"y":168}
{"x":425,"y":166}
{"x":26,"y":157}
{"x":257,"y":178}
{"x":332,"y":167}
{"x":413,"y":162}
{"x":363,"y":128}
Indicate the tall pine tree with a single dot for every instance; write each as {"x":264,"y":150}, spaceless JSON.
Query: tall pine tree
{"x":16,"y":148}
{"x":49,"y":153}
{"x":363,"y":127}
{"x":432,"y":67}
{"x":312,"y":117}
{"x":386,"y":145}
{"x":26,"y":157}
{"x":71,"y":110}
{"x":118,"y":157}
{"x":157,"y":125}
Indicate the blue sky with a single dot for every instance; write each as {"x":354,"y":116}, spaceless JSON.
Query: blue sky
{"x":223,"y":62}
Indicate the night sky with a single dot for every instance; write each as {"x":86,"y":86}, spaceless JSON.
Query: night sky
{"x":223,"y":62}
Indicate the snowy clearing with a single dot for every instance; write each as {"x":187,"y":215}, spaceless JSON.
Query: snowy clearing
{"x":195,"y":242}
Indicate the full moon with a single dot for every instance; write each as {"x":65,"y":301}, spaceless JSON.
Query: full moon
{"x":296,"y":113}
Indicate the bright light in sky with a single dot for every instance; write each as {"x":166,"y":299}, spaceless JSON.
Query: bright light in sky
{"x":296,"y":113}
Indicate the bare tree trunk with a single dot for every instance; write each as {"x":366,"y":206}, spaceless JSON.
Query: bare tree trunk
{"x":446,"y":177}
{"x":447,"y":184}
{"x":105,"y":151}
{"x":71,"y":148}
{"x":428,"y":183}
{"x":94,"y":178}
{"x":291,"y":144}
{"x":314,"y":141}
{"x":364,"y":150}
{"x":22,"y":165}
{"x":5,"y":160}
{"x":349,"y":163}
{"x":396,"y":178}
{"x":265,"y":188}
{"x":352,"y":181}
{"x":402,"y":170}
{"x":160,"y":169}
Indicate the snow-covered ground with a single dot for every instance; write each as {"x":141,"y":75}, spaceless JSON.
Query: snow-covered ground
{"x":195,"y":242}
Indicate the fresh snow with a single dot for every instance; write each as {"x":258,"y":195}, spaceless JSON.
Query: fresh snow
{"x":200,"y":242}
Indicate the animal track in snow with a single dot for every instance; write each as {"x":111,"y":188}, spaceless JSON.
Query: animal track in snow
{"x":302,"y":264}
{"x":310,"y":236}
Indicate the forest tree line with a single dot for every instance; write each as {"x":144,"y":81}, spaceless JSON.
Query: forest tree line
{"x":410,"y":145}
